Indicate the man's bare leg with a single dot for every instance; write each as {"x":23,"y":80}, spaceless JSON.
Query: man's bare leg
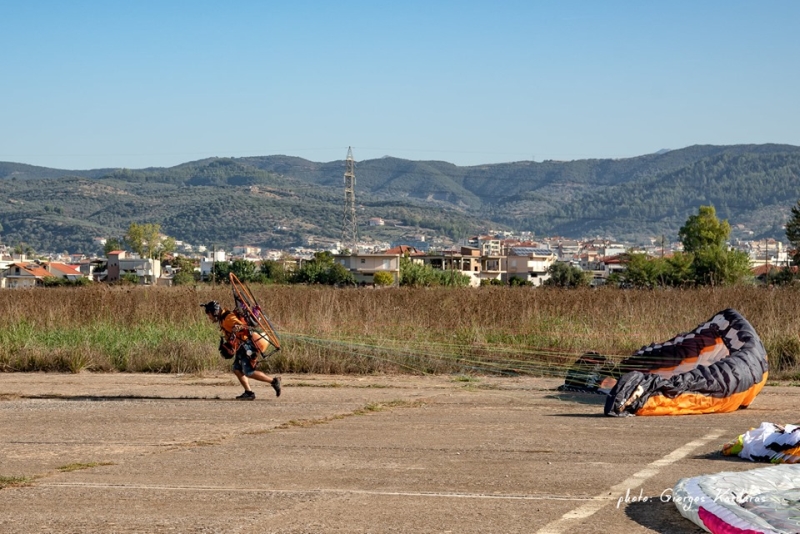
{"x":242,"y":379}
{"x":275,"y":382}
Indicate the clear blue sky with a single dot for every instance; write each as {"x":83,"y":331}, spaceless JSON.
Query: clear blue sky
{"x":89,"y":84}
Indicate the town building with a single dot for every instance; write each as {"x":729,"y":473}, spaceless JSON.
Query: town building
{"x":364,"y":266}
{"x":120,"y":263}
{"x":529,"y":264}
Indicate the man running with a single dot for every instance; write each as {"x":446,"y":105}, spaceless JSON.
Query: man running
{"x":236,"y":342}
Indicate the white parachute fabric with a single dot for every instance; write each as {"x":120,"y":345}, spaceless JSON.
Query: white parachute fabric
{"x":770,"y":442}
{"x":765,"y":500}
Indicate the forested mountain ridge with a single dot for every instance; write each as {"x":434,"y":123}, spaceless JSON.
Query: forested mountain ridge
{"x":279,"y":201}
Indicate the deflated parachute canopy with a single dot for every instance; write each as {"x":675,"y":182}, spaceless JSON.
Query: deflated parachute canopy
{"x":762,"y":500}
{"x":769,"y":442}
{"x":719,"y":367}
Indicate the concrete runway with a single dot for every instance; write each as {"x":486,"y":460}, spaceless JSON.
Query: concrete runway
{"x":175,"y":453}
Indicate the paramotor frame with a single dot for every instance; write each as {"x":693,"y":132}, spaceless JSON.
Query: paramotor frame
{"x":248,"y":309}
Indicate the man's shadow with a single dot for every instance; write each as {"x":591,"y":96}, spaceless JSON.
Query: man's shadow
{"x":105,"y":398}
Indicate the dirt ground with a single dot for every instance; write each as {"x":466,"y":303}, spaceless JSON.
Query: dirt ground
{"x":176,"y":453}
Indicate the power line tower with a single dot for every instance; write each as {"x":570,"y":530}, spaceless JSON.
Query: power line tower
{"x":349,"y":226}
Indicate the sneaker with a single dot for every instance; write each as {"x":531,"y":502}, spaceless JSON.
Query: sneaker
{"x":247,"y":395}
{"x":276,"y":385}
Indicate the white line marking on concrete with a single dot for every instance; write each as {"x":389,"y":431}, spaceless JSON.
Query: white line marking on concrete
{"x":441,"y":494}
{"x":567,"y":521}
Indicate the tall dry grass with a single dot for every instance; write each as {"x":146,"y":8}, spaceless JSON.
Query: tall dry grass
{"x":325,"y":330}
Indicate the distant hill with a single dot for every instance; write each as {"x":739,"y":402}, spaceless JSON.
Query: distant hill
{"x":280,"y":201}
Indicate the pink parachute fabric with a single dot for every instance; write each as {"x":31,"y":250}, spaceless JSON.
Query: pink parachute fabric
{"x":765,"y":500}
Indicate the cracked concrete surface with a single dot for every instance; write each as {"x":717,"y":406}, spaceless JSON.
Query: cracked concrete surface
{"x":354,"y":454}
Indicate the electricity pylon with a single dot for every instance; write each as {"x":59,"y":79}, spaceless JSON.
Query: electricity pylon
{"x":349,"y":225}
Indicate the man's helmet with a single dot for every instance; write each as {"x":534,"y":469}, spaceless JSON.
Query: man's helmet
{"x":212,"y":307}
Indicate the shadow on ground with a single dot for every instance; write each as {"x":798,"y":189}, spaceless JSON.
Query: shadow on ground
{"x":105,"y":398}
{"x":580,"y":398}
{"x":718,"y":456}
{"x":661,"y":517}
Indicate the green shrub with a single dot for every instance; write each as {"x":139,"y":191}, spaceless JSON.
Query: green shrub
{"x":383,"y":278}
{"x":784,"y":354}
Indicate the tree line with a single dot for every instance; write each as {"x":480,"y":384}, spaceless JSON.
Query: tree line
{"x":705,"y":260}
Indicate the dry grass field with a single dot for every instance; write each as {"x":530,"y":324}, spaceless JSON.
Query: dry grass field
{"x":528,"y":331}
